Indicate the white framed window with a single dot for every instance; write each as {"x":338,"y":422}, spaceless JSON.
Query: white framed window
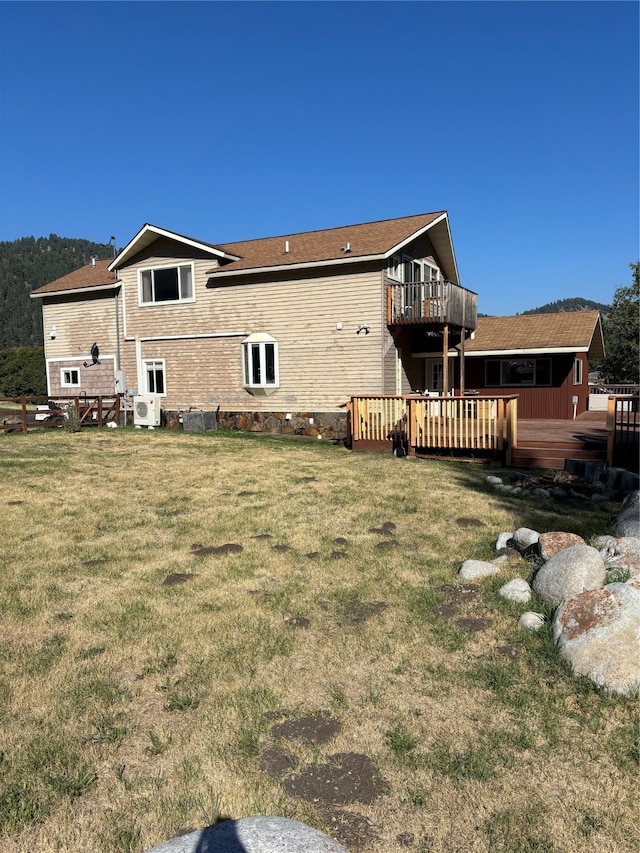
{"x":154,"y":376}
{"x":166,"y":284}
{"x":69,"y":377}
{"x":577,"y":371}
{"x":430,"y":272}
{"x":260,"y":371}
{"x":394,"y":267}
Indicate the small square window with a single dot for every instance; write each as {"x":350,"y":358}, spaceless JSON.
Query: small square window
{"x":70,"y":377}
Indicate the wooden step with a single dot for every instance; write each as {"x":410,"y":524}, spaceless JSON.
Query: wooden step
{"x":544,"y":456}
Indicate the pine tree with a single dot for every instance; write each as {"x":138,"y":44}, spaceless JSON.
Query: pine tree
{"x":621,"y":334}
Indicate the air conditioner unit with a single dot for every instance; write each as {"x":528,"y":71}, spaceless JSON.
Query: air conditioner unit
{"x":146,"y":410}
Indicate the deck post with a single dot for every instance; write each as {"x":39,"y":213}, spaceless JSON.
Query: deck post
{"x":445,"y":360}
{"x":512,"y":427}
{"x":611,"y":429}
{"x":462,"y":364}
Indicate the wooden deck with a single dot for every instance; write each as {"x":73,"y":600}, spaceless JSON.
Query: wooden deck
{"x":547,"y":443}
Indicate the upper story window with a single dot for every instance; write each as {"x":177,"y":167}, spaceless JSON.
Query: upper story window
{"x":167,"y":284}
{"x":409,"y":270}
{"x":260,"y":364}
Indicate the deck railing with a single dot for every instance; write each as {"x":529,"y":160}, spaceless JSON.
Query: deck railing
{"x":487,"y":424}
{"x":623,"y":430}
{"x":431,"y":302}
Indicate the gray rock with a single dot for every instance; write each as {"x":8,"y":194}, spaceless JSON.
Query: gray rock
{"x":568,"y":573}
{"x":504,"y":487}
{"x":524,"y":537}
{"x":493,"y":480}
{"x":516,"y":590}
{"x":253,"y":835}
{"x":620,"y":553}
{"x":475,"y":569}
{"x":555,"y":541}
{"x":531,"y":621}
{"x":627,"y":521}
{"x":503,"y":541}
{"x":598,"y":632}
{"x":558,"y":492}
{"x":542,"y":493}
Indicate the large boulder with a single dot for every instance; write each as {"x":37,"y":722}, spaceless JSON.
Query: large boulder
{"x":598,"y":632}
{"x":627,"y":522}
{"x":569,"y":572}
{"x":620,"y":552}
{"x":253,"y":835}
{"x":550,"y":544}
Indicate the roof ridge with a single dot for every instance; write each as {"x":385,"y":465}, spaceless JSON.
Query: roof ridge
{"x":333,"y":228}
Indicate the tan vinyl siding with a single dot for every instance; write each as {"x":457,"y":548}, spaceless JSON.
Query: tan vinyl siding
{"x":80,"y":322}
{"x":320,"y":366}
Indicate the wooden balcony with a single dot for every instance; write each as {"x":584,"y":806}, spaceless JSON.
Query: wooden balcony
{"x":431,"y":303}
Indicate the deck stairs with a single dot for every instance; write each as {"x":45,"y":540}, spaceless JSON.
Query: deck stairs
{"x":552,"y":452}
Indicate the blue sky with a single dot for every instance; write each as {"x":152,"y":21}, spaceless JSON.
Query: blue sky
{"x":228,"y":121}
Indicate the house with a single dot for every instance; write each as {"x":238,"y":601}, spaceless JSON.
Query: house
{"x":275,"y":331}
{"x":543,"y":358}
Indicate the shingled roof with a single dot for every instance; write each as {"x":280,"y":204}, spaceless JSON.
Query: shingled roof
{"x":330,"y":246}
{"x":571,"y":331}
{"x":348,"y":242}
{"x":87,"y":277}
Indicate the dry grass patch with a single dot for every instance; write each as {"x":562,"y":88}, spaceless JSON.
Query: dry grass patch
{"x":152,"y":680}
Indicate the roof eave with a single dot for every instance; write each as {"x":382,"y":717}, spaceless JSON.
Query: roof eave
{"x":149,"y":233}
{"x":528,"y":351}
{"x":89,"y":288}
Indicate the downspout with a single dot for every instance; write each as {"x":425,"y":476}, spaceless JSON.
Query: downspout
{"x":117,"y":305}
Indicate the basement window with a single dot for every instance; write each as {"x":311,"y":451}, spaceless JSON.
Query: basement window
{"x":260,"y":364}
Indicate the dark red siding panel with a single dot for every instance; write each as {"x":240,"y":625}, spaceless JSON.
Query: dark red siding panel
{"x":534,"y":403}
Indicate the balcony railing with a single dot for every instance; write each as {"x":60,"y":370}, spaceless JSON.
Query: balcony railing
{"x":437,"y":303}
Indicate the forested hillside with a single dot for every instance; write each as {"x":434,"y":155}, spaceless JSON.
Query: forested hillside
{"x":29,"y":263}
{"x":576,"y":303}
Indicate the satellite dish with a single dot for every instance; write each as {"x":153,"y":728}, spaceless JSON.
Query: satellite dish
{"x":95,"y":356}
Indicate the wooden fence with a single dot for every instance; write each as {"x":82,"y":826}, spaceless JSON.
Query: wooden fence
{"x":29,"y":413}
{"x":414,"y":423}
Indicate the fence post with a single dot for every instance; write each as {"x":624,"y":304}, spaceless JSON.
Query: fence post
{"x":24,"y":415}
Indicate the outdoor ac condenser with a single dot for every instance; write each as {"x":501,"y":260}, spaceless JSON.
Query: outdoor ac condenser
{"x":146,"y":410}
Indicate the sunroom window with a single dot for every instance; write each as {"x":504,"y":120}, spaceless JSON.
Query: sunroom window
{"x":518,"y":371}
{"x":260,"y":364}
{"x":166,"y":284}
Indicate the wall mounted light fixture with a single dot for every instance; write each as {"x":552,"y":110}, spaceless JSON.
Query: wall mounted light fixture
{"x":363,"y":327}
